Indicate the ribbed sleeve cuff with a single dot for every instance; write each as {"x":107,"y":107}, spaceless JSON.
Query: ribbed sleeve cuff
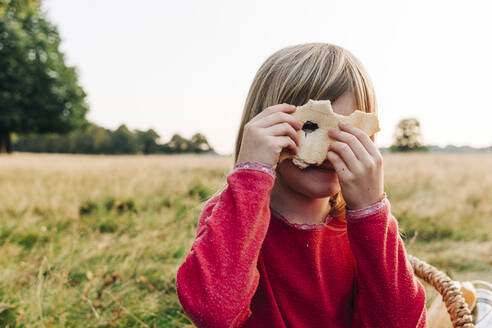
{"x":255,"y":166}
{"x":355,"y":215}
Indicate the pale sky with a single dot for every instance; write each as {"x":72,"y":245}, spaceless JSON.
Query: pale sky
{"x":186,"y":66}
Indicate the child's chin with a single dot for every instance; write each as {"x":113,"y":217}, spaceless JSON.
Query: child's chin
{"x":312,"y":182}
{"x":321,"y":189}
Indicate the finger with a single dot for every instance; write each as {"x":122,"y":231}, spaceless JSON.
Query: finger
{"x":278,"y":117}
{"x":282,"y":129}
{"x":287,"y":142}
{"x":339,"y":165}
{"x":364,"y":139}
{"x":273,"y":109}
{"x":354,"y":143}
{"x":343,"y":150}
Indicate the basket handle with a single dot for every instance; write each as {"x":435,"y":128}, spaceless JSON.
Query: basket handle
{"x":455,"y":304}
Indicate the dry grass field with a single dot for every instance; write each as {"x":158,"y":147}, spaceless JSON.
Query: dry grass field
{"x":96,"y":241}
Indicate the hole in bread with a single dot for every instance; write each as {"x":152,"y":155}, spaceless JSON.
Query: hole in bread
{"x":309,"y":127}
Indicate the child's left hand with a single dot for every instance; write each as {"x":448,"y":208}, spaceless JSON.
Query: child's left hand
{"x":359,"y":166}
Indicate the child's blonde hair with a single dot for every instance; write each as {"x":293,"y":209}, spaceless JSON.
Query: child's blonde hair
{"x":295,"y":74}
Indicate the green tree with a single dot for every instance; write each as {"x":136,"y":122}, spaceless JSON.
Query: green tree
{"x":100,"y":137}
{"x":39,"y":93}
{"x":408,"y":137}
{"x":91,"y":140}
{"x":199,"y":144}
{"x":148,"y":141}
{"x":123,"y":141}
{"x":178,"y":144}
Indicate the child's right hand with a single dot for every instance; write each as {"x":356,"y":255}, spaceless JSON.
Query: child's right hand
{"x":266,"y":134}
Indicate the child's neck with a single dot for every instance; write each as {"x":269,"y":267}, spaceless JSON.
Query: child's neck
{"x":298,"y":208}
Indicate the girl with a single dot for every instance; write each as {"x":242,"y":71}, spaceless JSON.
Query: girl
{"x":280,"y":246}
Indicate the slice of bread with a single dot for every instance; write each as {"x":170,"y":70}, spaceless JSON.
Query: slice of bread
{"x":316,"y":118}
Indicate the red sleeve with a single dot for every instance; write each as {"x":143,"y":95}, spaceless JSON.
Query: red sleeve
{"x":388,"y":293}
{"x":219,"y":277}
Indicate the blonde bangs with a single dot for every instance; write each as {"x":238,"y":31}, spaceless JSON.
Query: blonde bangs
{"x":361,"y":85}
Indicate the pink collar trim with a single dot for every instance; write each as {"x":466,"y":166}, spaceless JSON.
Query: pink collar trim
{"x":306,"y":226}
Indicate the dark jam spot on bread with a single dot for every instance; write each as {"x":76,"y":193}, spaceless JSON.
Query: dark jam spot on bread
{"x":309,"y":127}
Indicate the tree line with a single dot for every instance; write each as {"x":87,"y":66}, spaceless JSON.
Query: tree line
{"x":95,"y":139}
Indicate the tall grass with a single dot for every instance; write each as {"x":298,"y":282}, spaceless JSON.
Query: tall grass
{"x":95,"y":241}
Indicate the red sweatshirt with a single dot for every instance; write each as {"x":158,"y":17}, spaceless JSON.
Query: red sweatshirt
{"x":248,"y":267}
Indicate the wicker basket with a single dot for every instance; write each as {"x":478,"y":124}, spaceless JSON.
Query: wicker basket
{"x":457,"y":308}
